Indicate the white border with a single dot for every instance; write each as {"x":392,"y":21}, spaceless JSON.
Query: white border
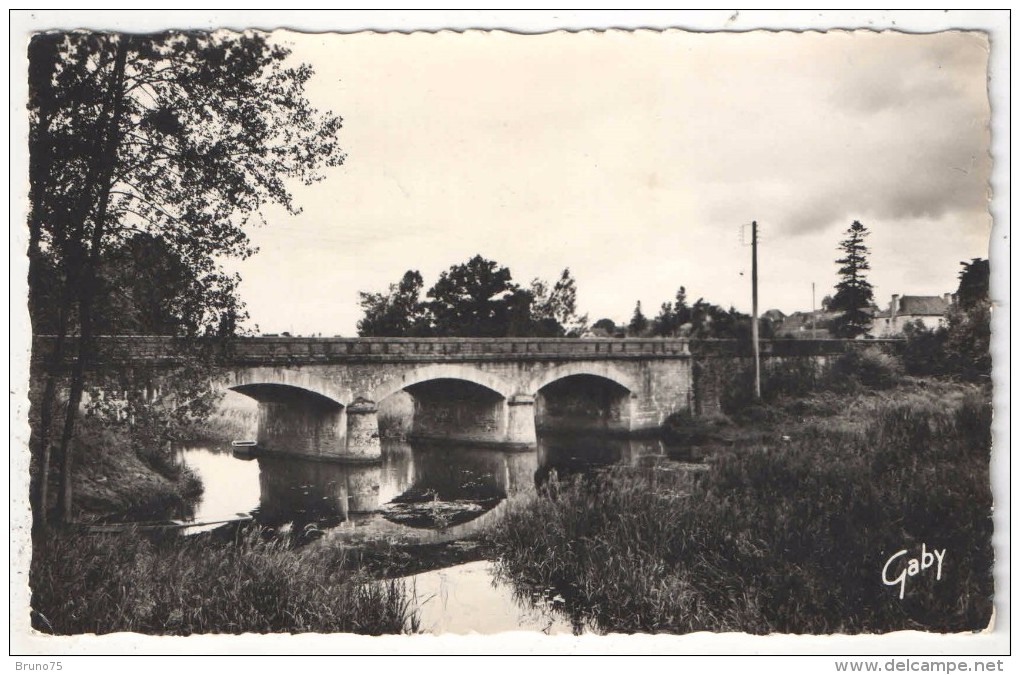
{"x":23,"y":641}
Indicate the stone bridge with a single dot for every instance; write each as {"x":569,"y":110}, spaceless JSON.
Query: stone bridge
{"x":326,"y":397}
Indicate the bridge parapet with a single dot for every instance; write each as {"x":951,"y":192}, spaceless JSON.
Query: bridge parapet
{"x":299,"y":350}
{"x":452,"y":349}
{"x":114,"y":349}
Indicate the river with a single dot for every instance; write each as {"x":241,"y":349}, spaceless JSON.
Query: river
{"x":419,"y":494}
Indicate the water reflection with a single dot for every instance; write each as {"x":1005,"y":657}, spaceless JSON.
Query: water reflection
{"x":418,"y":485}
{"x":419,"y":492}
{"x":451,"y":485}
{"x":472,"y":598}
{"x":305,"y":491}
{"x":230,"y":486}
{"x":571,"y":454}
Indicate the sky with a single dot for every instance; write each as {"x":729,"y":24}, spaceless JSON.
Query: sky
{"x":635,"y":159}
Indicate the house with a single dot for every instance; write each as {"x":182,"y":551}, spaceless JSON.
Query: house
{"x":806,"y":325}
{"x":930,"y":310}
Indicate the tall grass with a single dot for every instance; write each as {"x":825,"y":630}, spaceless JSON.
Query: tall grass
{"x":789,"y":537}
{"x":108,"y":583}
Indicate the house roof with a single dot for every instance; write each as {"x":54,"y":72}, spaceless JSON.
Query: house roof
{"x":799,"y":322}
{"x":923,"y":305}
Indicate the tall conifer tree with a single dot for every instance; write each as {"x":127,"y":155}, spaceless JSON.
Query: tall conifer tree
{"x":854,"y":294}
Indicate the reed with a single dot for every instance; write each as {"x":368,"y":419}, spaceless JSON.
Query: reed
{"x":780,"y":536}
{"x":84,"y":583}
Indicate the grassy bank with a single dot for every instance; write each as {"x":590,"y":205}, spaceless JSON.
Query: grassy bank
{"x":118,"y":477}
{"x":790,"y":528}
{"x":179,"y":586}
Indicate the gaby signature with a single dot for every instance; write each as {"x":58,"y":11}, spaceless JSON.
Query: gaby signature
{"x":914,"y":566}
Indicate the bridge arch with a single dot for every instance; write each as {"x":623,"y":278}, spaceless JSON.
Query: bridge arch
{"x":603,"y":370}
{"x":272,"y":392}
{"x":250,"y":378}
{"x":296,"y":419}
{"x":584,"y":397}
{"x":450,"y":401}
{"x":443,"y":371}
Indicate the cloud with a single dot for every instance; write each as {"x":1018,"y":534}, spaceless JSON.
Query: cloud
{"x":633,"y":158}
{"x":894,"y":128}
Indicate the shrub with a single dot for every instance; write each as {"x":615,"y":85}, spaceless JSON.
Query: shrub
{"x":960,"y":350}
{"x":923,"y":350}
{"x":114,"y":477}
{"x":969,"y":340}
{"x":690,"y":429}
{"x":870,"y":367}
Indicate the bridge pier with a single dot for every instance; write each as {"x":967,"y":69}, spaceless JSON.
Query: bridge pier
{"x":301,"y":428}
{"x":520,"y":420}
{"x":363,"y":431}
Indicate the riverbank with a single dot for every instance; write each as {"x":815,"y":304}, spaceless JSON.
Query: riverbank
{"x":775,"y":519}
{"x":116,"y":480}
{"x":87,"y":583}
{"x":788,"y":531}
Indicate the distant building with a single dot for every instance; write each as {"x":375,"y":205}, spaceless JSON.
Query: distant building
{"x":930,"y":310}
{"x":806,"y":325}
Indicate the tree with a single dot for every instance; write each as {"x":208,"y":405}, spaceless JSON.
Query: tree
{"x":969,"y":324}
{"x":680,"y":308}
{"x":974,"y":283}
{"x":605,"y":327}
{"x":672,"y":316}
{"x":476,"y":299}
{"x":401,"y":312}
{"x":554,"y":309}
{"x":145,"y":288}
{"x":710,"y":321}
{"x":853,"y":292}
{"x":182,"y":137}
{"x":961,"y":348}
{"x":638,"y":322}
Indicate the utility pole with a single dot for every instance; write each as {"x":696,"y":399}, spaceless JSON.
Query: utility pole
{"x":754,"y":309}
{"x":813,"y":327}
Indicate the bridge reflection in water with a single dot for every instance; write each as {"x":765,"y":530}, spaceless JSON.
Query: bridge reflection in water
{"x":420,"y":486}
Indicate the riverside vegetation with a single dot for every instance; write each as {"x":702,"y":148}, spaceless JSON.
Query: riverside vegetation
{"x":121,"y":475}
{"x":788,"y":531}
{"x":806,"y":496}
{"x":87,"y":583}
{"x":102,"y":583}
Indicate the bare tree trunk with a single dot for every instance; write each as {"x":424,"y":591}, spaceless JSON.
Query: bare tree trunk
{"x":42,"y":490}
{"x":38,"y":161}
{"x":87,"y":283}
